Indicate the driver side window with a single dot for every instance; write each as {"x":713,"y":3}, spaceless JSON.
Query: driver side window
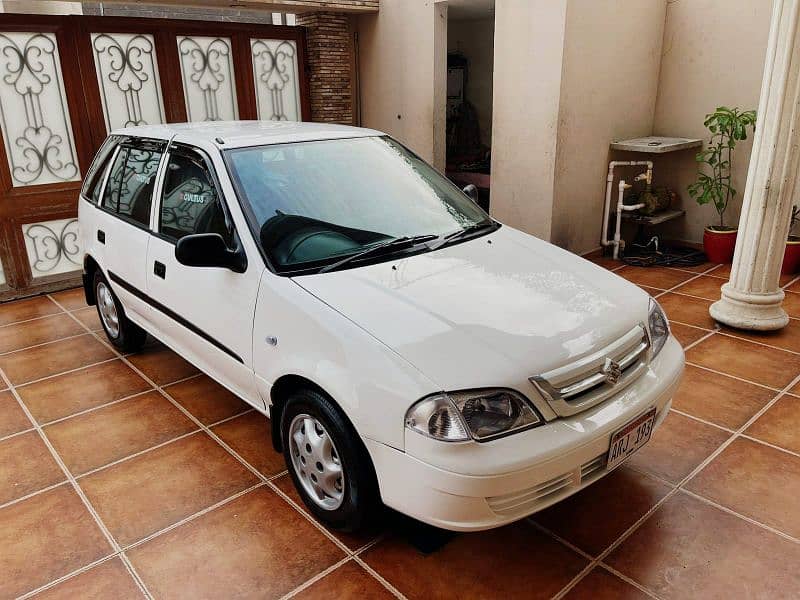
{"x":190,"y":202}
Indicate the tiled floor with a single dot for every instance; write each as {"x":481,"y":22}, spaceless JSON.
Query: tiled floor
{"x":132,"y":476}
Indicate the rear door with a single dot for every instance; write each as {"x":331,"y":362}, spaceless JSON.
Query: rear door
{"x":206,"y":313}
{"x":123,"y":221}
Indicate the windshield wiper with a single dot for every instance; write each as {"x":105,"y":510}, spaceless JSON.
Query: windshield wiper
{"x":456,"y":235}
{"x":392,"y":244}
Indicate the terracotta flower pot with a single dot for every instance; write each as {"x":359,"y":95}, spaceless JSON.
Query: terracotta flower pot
{"x":791,"y":257}
{"x":719,"y":244}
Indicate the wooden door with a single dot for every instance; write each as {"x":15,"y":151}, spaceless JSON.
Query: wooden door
{"x":65,"y":82}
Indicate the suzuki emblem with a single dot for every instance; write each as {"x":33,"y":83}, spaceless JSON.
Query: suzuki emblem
{"x":612,"y":371}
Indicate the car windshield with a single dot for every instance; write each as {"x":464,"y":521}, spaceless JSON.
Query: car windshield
{"x":315,"y":203}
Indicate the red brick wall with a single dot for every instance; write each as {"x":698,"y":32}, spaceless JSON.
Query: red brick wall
{"x":330,"y":61}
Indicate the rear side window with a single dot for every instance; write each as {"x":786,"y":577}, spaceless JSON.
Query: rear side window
{"x":93,"y":182}
{"x":131,"y":181}
{"x":190,"y":202}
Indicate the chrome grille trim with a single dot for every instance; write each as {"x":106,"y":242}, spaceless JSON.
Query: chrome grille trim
{"x":582,"y":384}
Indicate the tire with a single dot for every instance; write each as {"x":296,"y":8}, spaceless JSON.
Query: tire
{"x":123,"y":333}
{"x":357,"y":501}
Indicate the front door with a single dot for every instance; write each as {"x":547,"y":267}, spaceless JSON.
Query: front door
{"x":205,"y":313}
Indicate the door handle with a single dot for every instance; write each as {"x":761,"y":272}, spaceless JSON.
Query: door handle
{"x":101,"y":236}
{"x":160,"y":269}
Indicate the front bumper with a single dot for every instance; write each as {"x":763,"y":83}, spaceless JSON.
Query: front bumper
{"x":471,"y":486}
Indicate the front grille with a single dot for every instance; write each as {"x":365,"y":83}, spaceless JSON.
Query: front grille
{"x":527,"y":500}
{"x":584,"y":383}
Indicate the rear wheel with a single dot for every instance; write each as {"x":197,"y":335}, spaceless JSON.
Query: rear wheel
{"x":327,"y":462}
{"x":123,"y":333}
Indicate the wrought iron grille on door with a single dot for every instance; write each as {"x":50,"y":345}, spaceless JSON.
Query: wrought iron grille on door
{"x":65,"y":82}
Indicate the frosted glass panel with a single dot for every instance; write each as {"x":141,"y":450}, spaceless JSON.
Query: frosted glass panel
{"x":207,"y":73}
{"x":127,"y":72}
{"x":275,"y":74}
{"x":33,"y":111}
{"x":53,"y":247}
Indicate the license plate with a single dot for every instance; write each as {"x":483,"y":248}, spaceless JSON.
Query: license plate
{"x":630,"y":438}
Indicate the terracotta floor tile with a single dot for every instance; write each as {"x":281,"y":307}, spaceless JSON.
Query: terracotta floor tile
{"x":250,"y":547}
{"x":651,"y":290}
{"x":689,"y":549}
{"x":701,"y":268}
{"x":600,"y":584}
{"x":607,"y":262}
{"x":250,"y":436}
{"x":686,"y":334}
{"x":71,"y":299}
{"x":348,"y":581}
{"x":657,"y":277}
{"x":53,"y":358}
{"x":162,"y":365}
{"x":44,"y":538}
{"x":780,"y":425}
{"x":622,"y":497}
{"x":791,"y":304}
{"x":12,"y":417}
{"x":740,"y":358}
{"x":21,"y":310}
{"x":143,"y":495}
{"x":754,"y":480}
{"x":723,"y":271}
{"x":26,"y":466}
{"x":88,"y":316}
{"x":719,"y":399}
{"x":704,"y":286}
{"x":38,"y":331}
{"x":688,"y":310}
{"x":94,"y":439}
{"x":107,"y":580}
{"x":207,"y":400}
{"x":678,"y":447}
{"x":787,"y":338}
{"x":513,"y":561}
{"x":354,"y":541}
{"x":66,"y":394}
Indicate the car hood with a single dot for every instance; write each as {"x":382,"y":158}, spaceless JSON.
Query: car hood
{"x":490,"y":311}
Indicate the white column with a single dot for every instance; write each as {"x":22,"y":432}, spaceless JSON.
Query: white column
{"x":752,"y":298}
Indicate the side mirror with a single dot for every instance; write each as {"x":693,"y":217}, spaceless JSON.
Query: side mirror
{"x":209,"y":250}
{"x":472,"y":191}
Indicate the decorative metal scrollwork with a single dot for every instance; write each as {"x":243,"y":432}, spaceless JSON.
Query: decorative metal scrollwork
{"x":275,"y":69}
{"x":53,"y":244}
{"x":208,"y":67}
{"x":40,"y":150}
{"x":126,"y":68}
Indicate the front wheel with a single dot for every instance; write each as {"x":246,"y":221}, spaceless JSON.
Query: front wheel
{"x":327,"y":462}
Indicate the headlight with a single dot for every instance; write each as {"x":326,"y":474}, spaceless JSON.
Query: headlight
{"x":658,"y":325}
{"x":480,"y":414}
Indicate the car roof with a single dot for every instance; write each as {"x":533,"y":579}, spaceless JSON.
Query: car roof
{"x":238,"y":134}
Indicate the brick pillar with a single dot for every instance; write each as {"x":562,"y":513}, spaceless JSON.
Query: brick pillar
{"x":330,"y":61}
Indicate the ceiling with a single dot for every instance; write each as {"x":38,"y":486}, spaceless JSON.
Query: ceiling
{"x":470,"y":10}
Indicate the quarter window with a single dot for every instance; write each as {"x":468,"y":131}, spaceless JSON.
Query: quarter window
{"x":92,"y":185}
{"x":190,"y":202}
{"x":129,"y":191}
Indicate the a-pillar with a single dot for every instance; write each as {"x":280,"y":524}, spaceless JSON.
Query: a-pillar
{"x":752,"y":298}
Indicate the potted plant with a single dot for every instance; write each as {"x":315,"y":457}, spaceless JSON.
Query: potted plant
{"x":791,"y":256}
{"x":727,"y":126}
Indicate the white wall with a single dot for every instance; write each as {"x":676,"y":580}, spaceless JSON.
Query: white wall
{"x":713,"y":55}
{"x":612,"y":52}
{"x":475,"y":40}
{"x":403,"y":70}
{"x":528,"y":52}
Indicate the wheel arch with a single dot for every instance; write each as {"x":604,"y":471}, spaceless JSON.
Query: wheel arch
{"x":90,"y":267}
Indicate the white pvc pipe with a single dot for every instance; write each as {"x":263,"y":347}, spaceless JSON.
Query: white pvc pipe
{"x":648,"y":177}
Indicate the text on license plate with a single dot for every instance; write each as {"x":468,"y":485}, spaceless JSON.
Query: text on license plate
{"x":630,"y":438}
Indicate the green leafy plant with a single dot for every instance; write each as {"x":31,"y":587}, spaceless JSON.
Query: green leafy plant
{"x":793,"y":220}
{"x":728,"y":126}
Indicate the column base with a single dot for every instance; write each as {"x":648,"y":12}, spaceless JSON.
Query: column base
{"x":746,"y":310}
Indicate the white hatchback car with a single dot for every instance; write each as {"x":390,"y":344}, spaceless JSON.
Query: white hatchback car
{"x":409,"y":350}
